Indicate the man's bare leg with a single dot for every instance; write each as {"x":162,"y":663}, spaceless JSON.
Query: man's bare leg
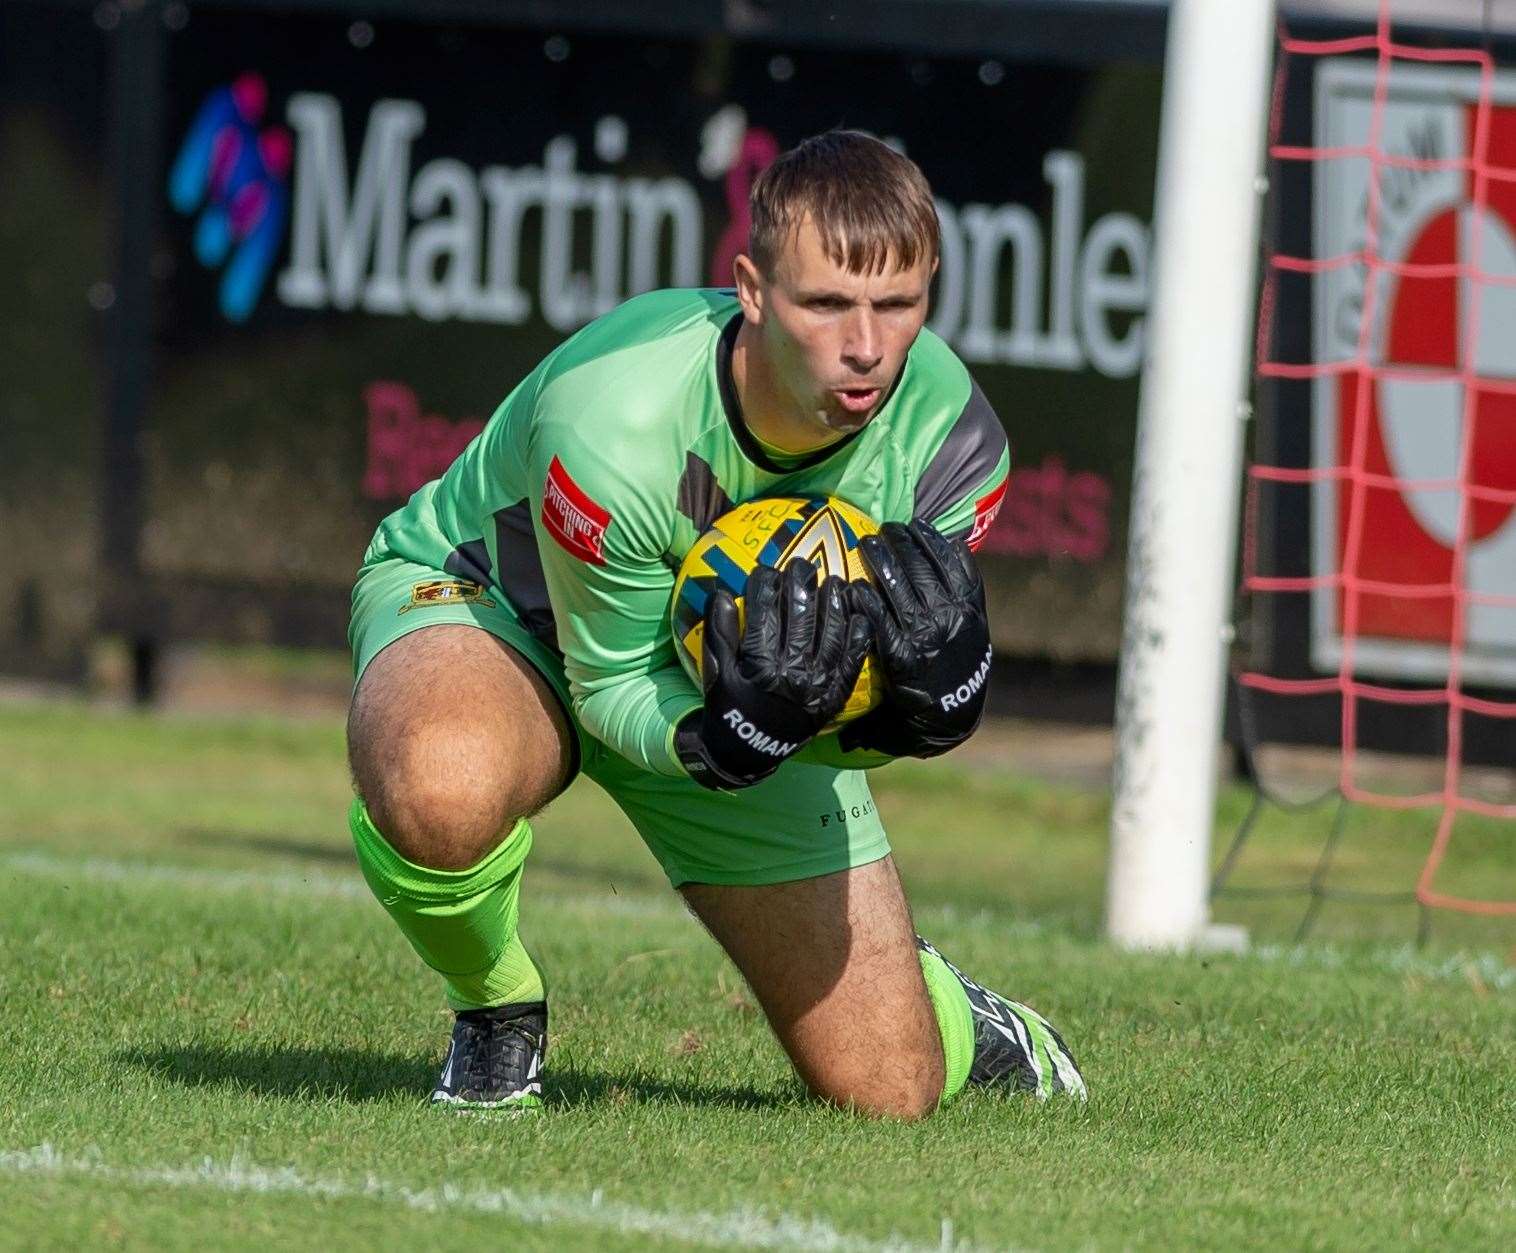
{"x":454,"y":739}
{"x":833,"y":962}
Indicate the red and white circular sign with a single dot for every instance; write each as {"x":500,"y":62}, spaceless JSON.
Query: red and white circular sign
{"x":1436,"y":412}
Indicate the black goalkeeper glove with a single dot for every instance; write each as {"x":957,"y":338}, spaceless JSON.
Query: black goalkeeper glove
{"x":932,"y":639}
{"x":791,"y":674}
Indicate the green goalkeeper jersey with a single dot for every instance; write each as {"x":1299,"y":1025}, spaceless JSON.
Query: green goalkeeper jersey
{"x":595,"y":476}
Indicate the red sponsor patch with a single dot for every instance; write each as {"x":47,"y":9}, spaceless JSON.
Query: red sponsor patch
{"x":572,"y":518}
{"x":985,"y":509}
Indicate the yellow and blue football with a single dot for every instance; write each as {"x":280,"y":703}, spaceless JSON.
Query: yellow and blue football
{"x":822,"y":529}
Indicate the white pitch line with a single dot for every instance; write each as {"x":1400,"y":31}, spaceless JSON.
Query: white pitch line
{"x":120,"y":870}
{"x":289,"y":883}
{"x":748,"y":1228}
{"x":1490,"y":970}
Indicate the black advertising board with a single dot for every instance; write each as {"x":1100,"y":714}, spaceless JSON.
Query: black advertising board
{"x":362,"y":225}
{"x":55,"y":200}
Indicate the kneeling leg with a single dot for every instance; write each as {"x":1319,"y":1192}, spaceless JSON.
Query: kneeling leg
{"x":454,"y":740}
{"x":834,"y":963}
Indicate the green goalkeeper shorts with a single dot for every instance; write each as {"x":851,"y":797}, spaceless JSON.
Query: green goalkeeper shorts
{"x":805,"y":820}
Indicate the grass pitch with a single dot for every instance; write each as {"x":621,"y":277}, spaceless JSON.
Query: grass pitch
{"x":213,"y":1037}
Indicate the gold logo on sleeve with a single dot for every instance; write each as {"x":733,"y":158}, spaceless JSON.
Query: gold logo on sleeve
{"x":446,"y":592}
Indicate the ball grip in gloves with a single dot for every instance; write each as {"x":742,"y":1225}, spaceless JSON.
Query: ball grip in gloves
{"x":769,"y":693}
{"x":932,"y":640}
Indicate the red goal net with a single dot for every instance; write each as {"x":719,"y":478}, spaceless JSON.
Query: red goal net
{"x":1382,"y":523}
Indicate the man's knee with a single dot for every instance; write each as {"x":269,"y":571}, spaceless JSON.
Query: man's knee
{"x":910,"y":1089}
{"x":888,"y":1065}
{"x":834,"y":964}
{"x":433,"y":824}
{"x":446,"y":768}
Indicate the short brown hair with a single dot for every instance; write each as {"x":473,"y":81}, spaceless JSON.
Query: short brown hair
{"x":871,"y":205}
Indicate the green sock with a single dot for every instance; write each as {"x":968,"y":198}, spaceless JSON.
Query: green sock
{"x":462,"y":923}
{"x":955,"y":1020}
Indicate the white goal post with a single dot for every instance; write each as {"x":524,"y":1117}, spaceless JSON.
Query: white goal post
{"x":1188,"y":469}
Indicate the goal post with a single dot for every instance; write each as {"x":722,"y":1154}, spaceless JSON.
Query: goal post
{"x":1188,"y":471}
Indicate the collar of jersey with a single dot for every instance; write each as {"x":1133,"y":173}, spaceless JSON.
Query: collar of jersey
{"x":746,"y":440}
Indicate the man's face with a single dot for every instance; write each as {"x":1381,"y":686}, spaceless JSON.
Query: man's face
{"x":836,"y":341}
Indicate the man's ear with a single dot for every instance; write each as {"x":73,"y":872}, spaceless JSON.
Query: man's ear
{"x":749,"y":287}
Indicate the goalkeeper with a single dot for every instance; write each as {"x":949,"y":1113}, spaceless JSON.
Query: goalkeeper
{"x":510,"y":629}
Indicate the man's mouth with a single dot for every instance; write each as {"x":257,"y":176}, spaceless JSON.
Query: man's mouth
{"x":857,"y":399}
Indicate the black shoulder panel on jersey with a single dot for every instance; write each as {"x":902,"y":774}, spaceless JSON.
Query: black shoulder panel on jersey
{"x":701,"y":499}
{"x":520,"y":576}
{"x":963,"y":461}
{"x":470,"y":560}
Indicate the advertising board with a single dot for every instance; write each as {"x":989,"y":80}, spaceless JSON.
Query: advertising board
{"x":1432,"y":422}
{"x":370,"y":232}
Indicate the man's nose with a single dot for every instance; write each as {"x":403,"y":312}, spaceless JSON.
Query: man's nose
{"x":860,"y":346}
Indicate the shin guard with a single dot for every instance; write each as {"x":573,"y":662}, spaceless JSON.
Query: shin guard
{"x":462,"y":923}
{"x":955,"y":1020}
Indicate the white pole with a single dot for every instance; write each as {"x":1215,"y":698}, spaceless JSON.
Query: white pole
{"x":1186,"y":485}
